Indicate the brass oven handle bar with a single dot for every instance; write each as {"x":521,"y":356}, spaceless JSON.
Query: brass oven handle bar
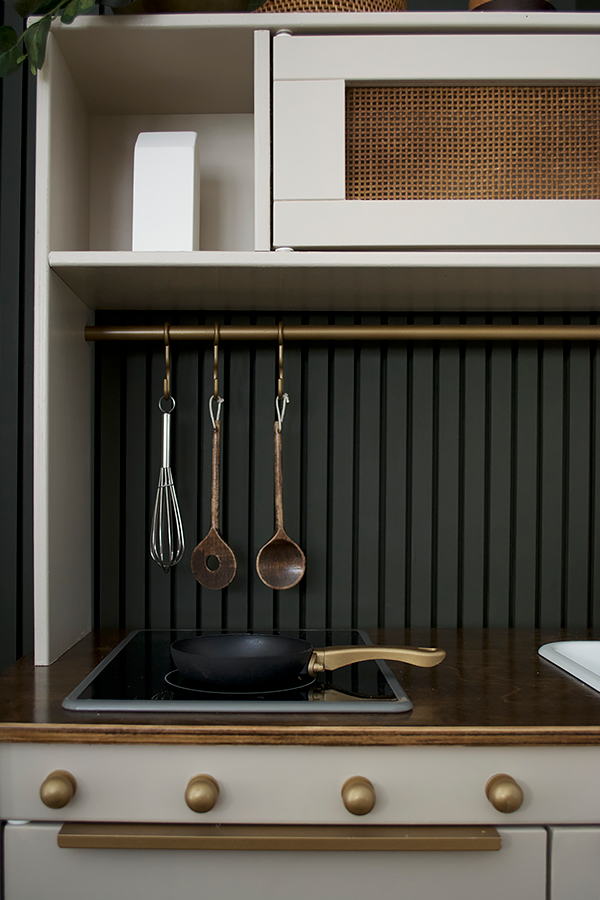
{"x":326,"y":659}
{"x":125,"y":836}
{"x":346,"y":333}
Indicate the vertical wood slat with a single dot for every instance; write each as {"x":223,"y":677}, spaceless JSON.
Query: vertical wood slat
{"x":524,"y":483}
{"x":577,"y":436}
{"x":447,"y":512}
{"x":472,"y":586}
{"x":550,"y":483}
{"x":477,"y":460}
{"x":499,"y":475}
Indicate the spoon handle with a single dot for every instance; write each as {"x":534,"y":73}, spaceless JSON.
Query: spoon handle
{"x":216,"y":476}
{"x":278,"y":480}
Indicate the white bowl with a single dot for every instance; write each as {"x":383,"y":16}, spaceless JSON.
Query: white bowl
{"x":578,"y":658}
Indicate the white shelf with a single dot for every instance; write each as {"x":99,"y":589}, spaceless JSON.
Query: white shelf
{"x":335,"y":280}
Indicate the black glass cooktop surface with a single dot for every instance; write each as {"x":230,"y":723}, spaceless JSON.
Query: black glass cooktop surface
{"x":139,"y":675}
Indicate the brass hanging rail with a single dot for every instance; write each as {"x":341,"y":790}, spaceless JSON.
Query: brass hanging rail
{"x":346,"y":333}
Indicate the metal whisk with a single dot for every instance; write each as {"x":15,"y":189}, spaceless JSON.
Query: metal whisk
{"x":166,"y":537}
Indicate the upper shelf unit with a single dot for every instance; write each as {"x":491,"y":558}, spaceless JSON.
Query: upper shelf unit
{"x":108,"y":78}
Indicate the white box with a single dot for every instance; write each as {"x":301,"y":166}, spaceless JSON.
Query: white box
{"x":166,"y":191}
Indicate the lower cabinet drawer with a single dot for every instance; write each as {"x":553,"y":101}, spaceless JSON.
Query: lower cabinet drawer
{"x":575,"y":862}
{"x":35,"y":863}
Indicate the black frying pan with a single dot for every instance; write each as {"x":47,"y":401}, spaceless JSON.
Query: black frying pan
{"x":229,"y":662}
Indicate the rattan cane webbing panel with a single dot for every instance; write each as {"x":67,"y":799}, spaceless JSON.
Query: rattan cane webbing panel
{"x":271,"y":6}
{"x":472,"y":142}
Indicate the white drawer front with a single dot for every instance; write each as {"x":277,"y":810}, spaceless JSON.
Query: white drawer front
{"x":575,"y":868}
{"x":302,"y":785}
{"x":33,"y":859}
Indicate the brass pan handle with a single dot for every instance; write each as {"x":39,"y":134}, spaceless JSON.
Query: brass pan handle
{"x":326,"y":659}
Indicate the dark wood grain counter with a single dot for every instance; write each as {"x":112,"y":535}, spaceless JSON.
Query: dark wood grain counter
{"x":491,"y":689}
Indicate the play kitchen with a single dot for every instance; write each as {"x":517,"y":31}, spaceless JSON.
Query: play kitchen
{"x":225,"y":703}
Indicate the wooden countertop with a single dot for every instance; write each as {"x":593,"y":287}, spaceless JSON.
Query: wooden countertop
{"x":492,"y":689}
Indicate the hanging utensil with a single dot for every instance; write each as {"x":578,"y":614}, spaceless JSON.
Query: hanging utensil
{"x":213,"y":561}
{"x":167,"y":543}
{"x":280,"y":563}
{"x":250,"y":662}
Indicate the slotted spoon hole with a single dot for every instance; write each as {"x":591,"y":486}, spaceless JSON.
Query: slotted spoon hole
{"x":213,"y":563}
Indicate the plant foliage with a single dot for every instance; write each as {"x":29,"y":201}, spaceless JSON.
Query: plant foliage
{"x":31,"y":44}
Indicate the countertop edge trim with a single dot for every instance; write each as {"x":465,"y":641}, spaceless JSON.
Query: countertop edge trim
{"x":297,"y":735}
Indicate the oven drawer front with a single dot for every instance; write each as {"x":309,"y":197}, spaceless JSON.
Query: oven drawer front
{"x":438,"y":141}
{"x":33,"y":858}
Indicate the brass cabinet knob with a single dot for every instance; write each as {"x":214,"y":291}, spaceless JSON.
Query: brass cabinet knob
{"x":58,"y":789}
{"x":358,"y":795}
{"x":202,"y":793}
{"x":504,"y":793}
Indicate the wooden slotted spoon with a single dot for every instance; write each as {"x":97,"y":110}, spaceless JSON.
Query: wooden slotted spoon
{"x":280,"y":563}
{"x":213,"y":561}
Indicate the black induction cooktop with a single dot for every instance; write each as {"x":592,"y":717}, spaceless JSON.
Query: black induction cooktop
{"x":139,"y":676}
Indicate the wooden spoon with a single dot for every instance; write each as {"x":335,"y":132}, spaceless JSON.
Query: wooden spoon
{"x":213,"y":561}
{"x":280,"y":563}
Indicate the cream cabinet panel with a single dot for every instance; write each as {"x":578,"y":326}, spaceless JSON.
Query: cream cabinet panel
{"x":32,"y":858}
{"x":309,"y":136}
{"x":437,"y":57}
{"x":329,"y":195}
{"x":436,"y":223}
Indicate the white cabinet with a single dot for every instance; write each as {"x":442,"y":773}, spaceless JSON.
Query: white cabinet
{"x":135,"y":790}
{"x":139,"y":790}
{"x":436,"y":141}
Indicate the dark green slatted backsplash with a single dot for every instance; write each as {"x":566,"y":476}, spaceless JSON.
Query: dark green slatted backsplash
{"x":428,"y":483}
{"x":17,"y":124}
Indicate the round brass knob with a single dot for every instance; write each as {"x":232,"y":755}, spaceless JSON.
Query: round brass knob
{"x":358,"y":795}
{"x":58,"y":788}
{"x":504,"y":793}
{"x":202,"y":793}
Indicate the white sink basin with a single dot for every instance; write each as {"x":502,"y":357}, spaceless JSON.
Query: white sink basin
{"x":578,"y":658}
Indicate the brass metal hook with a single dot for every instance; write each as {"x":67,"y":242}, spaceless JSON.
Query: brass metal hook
{"x":167,"y":380}
{"x":216,"y":362}
{"x":280,"y":379}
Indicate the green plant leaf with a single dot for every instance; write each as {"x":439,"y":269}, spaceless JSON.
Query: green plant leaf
{"x":11,"y":54}
{"x":35,"y":38}
{"x":75,"y":8}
